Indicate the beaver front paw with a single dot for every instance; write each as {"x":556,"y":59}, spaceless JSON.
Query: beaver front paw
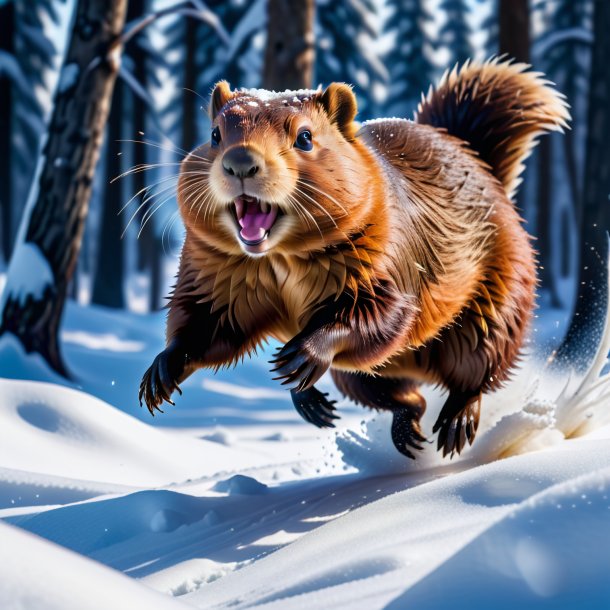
{"x":314,"y":407}
{"x":161,"y":379}
{"x":298,"y":365}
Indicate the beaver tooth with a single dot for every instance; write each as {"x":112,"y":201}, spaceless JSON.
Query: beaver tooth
{"x":239,"y":206}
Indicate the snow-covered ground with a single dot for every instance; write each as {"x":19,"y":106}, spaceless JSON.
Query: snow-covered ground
{"x":229,"y":500}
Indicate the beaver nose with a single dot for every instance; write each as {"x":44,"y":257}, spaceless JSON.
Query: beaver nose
{"x":242,"y":162}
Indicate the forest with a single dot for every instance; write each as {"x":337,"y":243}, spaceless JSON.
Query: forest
{"x":390,"y":51}
{"x":228,"y":499}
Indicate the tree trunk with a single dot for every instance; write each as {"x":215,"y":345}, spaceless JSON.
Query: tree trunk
{"x":514,"y":35}
{"x":52,"y":226}
{"x":290,"y":51}
{"x":592,"y":298}
{"x":108,"y":284}
{"x":6,"y":217}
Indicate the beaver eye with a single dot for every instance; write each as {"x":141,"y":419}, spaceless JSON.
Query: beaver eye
{"x":304,"y":141}
{"x":215,"y":136}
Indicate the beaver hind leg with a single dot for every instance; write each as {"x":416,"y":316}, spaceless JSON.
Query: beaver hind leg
{"x":399,"y":395}
{"x":458,"y":421}
{"x":314,"y":407}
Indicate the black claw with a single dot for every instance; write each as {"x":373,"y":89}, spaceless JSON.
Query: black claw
{"x":406,"y":452}
{"x":314,"y":408}
{"x":456,"y":423}
{"x":405,"y":432}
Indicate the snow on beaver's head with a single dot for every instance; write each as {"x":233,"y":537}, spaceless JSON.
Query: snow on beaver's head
{"x":282,"y":172}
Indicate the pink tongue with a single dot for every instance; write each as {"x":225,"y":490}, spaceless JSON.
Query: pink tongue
{"x":254,"y":222}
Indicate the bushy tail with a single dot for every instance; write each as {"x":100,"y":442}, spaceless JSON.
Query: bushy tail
{"x":499,"y":109}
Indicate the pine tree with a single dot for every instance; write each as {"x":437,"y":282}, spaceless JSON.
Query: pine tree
{"x":411,"y":71}
{"x":455,"y":33}
{"x":10,"y":75}
{"x":35,"y":54}
{"x":345,"y":31}
{"x":26,"y":56}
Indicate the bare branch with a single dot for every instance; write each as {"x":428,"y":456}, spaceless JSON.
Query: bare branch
{"x":195,"y":9}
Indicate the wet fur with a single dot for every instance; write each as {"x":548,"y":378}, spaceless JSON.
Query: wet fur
{"x":400,"y":258}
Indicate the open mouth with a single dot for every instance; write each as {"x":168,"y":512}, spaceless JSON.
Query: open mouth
{"x":255,"y":219}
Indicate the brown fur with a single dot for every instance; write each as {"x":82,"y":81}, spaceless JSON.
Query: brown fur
{"x":399,"y":254}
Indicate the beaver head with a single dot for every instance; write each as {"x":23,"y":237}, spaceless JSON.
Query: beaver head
{"x":280,"y":173}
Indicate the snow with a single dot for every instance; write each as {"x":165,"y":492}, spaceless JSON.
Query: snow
{"x":230,"y":500}
{"x":266,"y":96}
{"x":28,"y":560}
{"x":29,"y":274}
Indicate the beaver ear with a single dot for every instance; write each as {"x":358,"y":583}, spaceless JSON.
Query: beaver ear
{"x":340,"y":103}
{"x":220,"y":96}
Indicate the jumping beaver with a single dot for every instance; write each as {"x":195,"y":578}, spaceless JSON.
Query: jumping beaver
{"x":388,"y":252}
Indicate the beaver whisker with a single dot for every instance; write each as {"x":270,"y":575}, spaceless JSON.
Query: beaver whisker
{"x":147,"y":188}
{"x":149,"y":197}
{"x":149,"y":214}
{"x":311,"y":186}
{"x":150,"y":187}
{"x":306,"y":211}
{"x":173,"y":149}
{"x":321,"y":207}
{"x":295,"y":205}
{"x":193,"y":192}
{"x":202,"y":199}
{"x":205,"y":205}
{"x":167,"y":228}
{"x":142,"y":167}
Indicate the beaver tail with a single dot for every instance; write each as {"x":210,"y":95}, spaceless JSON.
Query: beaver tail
{"x":499,"y":109}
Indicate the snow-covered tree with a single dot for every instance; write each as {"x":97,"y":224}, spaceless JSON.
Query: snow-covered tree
{"x":345,"y":33}
{"x":51,"y":229}
{"x":27,"y":56}
{"x":410,"y":66}
{"x":11,"y":76}
{"x":454,"y":34}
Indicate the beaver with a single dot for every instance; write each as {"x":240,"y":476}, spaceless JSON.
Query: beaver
{"x":388,"y":252}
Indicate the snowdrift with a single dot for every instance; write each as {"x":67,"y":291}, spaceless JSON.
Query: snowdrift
{"x":239,"y":504}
